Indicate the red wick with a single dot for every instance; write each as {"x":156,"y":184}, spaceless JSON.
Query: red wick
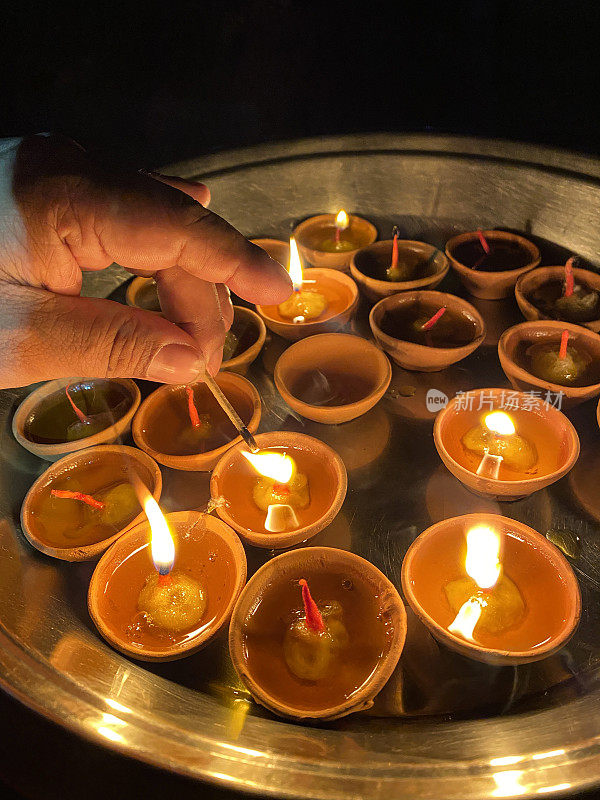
{"x":431,"y":322}
{"x":85,"y":498}
{"x":314,"y":620}
{"x":82,"y":417}
{"x":569,"y":278}
{"x":337,"y":234}
{"x":483,"y":240}
{"x":281,"y":488}
{"x":563,"y":344}
{"x":164,"y":580}
{"x":195,"y":419}
{"x":394,"y":263}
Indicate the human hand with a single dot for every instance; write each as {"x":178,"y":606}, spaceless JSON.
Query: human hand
{"x":60,"y":215}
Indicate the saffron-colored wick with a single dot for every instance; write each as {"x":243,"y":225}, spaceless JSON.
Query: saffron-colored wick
{"x":65,"y":494}
{"x":164,"y":580}
{"x":569,"y":278}
{"x":82,"y":417}
{"x":337,"y":235}
{"x":281,"y":488}
{"x":394,"y":263}
{"x":194,"y":418}
{"x":564,"y":340}
{"x":314,"y":620}
{"x":483,"y":240}
{"x":427,"y":326}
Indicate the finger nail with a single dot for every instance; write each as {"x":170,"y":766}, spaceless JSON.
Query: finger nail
{"x":213,"y":365}
{"x":176,"y":363}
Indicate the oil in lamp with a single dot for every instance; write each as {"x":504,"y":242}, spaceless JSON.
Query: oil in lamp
{"x":279,"y":490}
{"x":497,"y":441}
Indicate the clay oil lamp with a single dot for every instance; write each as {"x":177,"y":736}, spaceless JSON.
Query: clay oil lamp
{"x":332,"y":377}
{"x":505,"y":454}
{"x":63,"y":416}
{"x":143,"y":293}
{"x":426,"y":331}
{"x":322,"y":300}
{"x":316,"y":633}
{"x":284,"y":494}
{"x":276,"y":248}
{"x":562,"y":293}
{"x":492,"y":589}
{"x":555,"y":358}
{"x":82,"y":504}
{"x":165,"y":588}
{"x":330,"y":240}
{"x":244,"y":341}
{"x":489,"y":263}
{"x":397,"y":265}
{"x":185,"y":428}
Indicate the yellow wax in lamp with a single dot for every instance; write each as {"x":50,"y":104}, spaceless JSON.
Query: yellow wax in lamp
{"x":280,"y":483}
{"x":485,"y":599}
{"x":304,"y":304}
{"x":497,"y":442}
{"x":313,"y":640}
{"x":339,"y":243}
{"x":169,"y":600}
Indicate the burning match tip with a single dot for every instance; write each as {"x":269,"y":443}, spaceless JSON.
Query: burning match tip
{"x":249,"y":439}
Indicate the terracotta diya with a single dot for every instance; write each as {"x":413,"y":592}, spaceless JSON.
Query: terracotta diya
{"x":426,"y":331}
{"x":83,"y":503}
{"x":397,"y":265}
{"x":283,"y":495}
{"x":332,"y":377}
{"x":244,"y":341}
{"x":316,"y":633}
{"x":492,"y":589}
{"x":490,"y":262}
{"x":505,"y":444}
{"x":70,"y":414}
{"x":330,"y":240}
{"x":545,"y":293}
{"x":184,"y":427}
{"x":276,"y":248}
{"x":143,"y":293}
{"x":164,"y":589}
{"x":552,"y":356}
{"x":322,"y":300}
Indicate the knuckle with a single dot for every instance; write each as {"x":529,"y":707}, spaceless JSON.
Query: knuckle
{"x":129,"y":349}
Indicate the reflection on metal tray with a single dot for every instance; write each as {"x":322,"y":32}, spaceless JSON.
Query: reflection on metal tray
{"x":444,"y":725}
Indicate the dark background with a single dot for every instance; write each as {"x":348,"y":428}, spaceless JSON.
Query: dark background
{"x":145,"y":87}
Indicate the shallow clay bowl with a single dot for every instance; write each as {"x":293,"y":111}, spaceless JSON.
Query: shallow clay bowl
{"x":239,"y":391}
{"x":190,"y":528}
{"x":338,"y":353}
{"x":531,"y":281}
{"x":546,"y":331}
{"x":336,"y":285}
{"x":252,"y":340}
{"x":142,"y":293}
{"x":312,"y":231}
{"x":491,"y":285}
{"x":419,"y":357}
{"x":292,"y":566}
{"x":451,"y":423}
{"x":233,"y":479}
{"x":276,"y":248}
{"x":52,"y":452}
{"x":446,"y":540}
{"x":129,"y":458}
{"x":368,"y":267}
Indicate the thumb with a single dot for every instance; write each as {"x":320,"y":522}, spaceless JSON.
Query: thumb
{"x":56,"y":336}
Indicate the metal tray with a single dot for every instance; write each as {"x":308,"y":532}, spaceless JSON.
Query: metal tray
{"x":444,"y":726}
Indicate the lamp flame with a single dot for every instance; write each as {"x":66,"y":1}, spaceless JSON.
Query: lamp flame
{"x":295,"y":265}
{"x":500,"y":423}
{"x":163,"y":546}
{"x":277,"y":466}
{"x":342,"y":220}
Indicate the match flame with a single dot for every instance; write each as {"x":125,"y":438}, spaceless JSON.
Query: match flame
{"x":277,"y":466}
{"x":295,"y":265}
{"x":342,"y":220}
{"x":163,"y":546}
{"x":500,"y":423}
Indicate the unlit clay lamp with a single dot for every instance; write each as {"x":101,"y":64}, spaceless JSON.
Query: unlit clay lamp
{"x":70,"y":414}
{"x":284,"y":494}
{"x":316,"y":633}
{"x":165,"y":589}
{"x":330,"y":240}
{"x":563,"y":293}
{"x":397,"y":265}
{"x":184,"y":427}
{"x":244,"y":340}
{"x":426,"y":331}
{"x":492,"y":589}
{"x":332,"y":377}
{"x":505,"y":454}
{"x":276,"y":248}
{"x":83,"y":503}
{"x":554,"y":357}
{"x":322,"y":300}
{"x":489,"y":263}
